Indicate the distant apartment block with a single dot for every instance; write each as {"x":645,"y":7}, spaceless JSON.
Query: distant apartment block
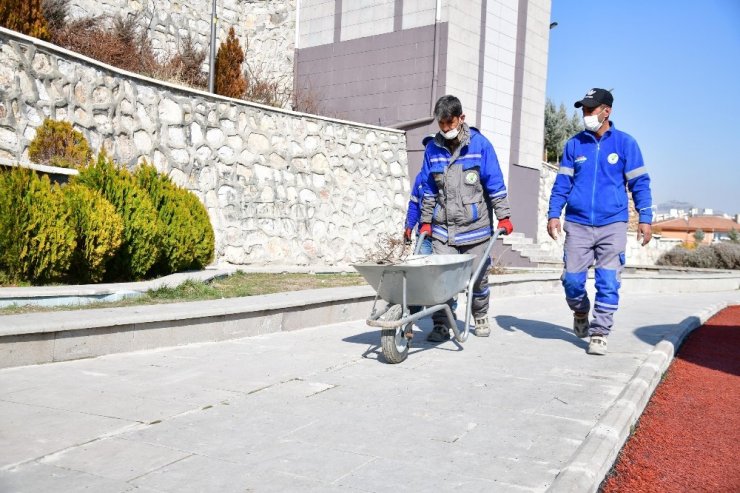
{"x":385,"y":62}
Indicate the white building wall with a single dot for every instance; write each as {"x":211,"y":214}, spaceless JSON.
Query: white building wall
{"x":316,"y":18}
{"x":367,"y":18}
{"x":498,"y":77}
{"x":531,"y":141}
{"x":463,"y":53}
{"x":417,"y":13}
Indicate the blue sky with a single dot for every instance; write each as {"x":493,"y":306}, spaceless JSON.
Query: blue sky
{"x":675,"y":70}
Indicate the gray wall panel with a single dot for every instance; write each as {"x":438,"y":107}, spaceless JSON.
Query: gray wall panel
{"x":387,"y":78}
{"x":524,"y":191}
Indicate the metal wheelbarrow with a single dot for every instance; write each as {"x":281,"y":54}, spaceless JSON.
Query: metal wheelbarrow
{"x":420,"y":280}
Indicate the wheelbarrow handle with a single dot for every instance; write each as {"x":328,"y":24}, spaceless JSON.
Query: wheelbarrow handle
{"x":419,"y":241}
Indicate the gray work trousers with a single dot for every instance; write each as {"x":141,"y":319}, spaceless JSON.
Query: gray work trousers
{"x":481,"y":293}
{"x":603,"y":247}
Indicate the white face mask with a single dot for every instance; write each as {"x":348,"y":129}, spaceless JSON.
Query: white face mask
{"x":451,"y":134}
{"x":592,"y":123}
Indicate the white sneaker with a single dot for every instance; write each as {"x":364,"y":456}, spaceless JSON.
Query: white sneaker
{"x":597,"y":345}
{"x":482,"y":327}
{"x":580,"y":324}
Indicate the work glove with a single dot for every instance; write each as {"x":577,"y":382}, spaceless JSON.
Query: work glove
{"x":505,"y":223}
{"x":407,"y":236}
{"x":425,"y":228}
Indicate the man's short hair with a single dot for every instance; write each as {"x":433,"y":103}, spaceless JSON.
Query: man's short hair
{"x":447,"y":107}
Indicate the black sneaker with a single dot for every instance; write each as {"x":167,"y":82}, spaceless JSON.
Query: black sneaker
{"x":439,"y":333}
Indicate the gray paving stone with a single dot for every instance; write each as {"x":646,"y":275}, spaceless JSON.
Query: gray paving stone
{"x":114,"y":458}
{"x":317,"y":410}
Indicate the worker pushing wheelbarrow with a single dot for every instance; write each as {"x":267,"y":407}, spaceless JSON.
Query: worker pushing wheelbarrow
{"x":428,"y":281}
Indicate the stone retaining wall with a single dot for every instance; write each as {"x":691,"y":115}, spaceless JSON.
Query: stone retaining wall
{"x":265,"y":27}
{"x":280,"y":187}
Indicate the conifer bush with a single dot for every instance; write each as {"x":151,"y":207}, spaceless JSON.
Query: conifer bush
{"x":98,"y":229}
{"x":186,"y":234}
{"x":36,"y":235}
{"x":139,"y":247}
{"x":229,"y":80}
{"x":58,"y":144}
{"x":24,"y":16}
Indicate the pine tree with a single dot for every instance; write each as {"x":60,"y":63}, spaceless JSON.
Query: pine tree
{"x":24,"y":16}
{"x":229,"y":80}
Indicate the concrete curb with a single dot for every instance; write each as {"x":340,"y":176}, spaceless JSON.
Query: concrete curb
{"x":592,"y":461}
{"x":84,"y":294}
{"x":36,"y":338}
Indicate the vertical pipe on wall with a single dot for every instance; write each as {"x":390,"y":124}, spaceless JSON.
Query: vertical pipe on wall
{"x":295,"y":53}
{"x":435,"y":69}
{"x":212,"y":61}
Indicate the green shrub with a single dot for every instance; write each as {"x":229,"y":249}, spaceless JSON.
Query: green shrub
{"x":98,"y":229}
{"x":24,"y":16}
{"x":728,"y":254}
{"x":37,"y":235}
{"x":703,"y":257}
{"x":139,"y":248}
{"x":58,"y":144}
{"x":722,"y":255}
{"x":676,"y":256}
{"x":186,"y":235}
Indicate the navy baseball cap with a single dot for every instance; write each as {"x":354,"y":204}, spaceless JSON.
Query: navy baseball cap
{"x":595,"y":97}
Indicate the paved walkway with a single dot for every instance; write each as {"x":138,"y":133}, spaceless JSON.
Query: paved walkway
{"x":315,"y":410}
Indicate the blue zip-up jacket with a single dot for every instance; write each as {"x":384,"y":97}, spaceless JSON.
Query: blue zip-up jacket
{"x":413,"y":212}
{"x":592,"y":177}
{"x":462,"y":189}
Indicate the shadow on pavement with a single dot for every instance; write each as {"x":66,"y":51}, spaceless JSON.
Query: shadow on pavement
{"x":418,"y":343}
{"x":539,"y":329}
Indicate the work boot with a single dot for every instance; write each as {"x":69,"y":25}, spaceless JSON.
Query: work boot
{"x":597,"y":345}
{"x":482,"y":327}
{"x":439,"y":333}
{"x":580,"y":324}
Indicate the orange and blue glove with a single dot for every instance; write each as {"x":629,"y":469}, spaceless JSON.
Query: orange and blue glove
{"x":425,"y":228}
{"x":407,"y":236}
{"x":505,"y":224}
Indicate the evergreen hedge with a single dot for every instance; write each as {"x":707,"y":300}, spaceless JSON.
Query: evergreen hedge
{"x":187,"y":239}
{"x":98,"y":229}
{"x":58,"y":144}
{"x":37,"y":239}
{"x":140,"y":246}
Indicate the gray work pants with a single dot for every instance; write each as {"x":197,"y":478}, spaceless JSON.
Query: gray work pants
{"x":481,"y":293}
{"x":602,"y":247}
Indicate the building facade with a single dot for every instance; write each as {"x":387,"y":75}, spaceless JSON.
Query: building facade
{"x":385,"y":62}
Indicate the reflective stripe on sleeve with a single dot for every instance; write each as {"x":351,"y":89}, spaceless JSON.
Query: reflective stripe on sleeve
{"x":636,"y":172}
{"x":413,"y":198}
{"x":566,"y":171}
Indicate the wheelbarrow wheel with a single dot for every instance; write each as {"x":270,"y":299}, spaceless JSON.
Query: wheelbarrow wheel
{"x":393,"y":341}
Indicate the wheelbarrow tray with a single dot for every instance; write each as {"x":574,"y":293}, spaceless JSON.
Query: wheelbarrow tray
{"x":430,"y":279}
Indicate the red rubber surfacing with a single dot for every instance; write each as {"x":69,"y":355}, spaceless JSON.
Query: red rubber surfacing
{"x":688,"y":438}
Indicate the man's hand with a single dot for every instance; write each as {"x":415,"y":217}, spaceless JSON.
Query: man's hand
{"x":407,"y":236}
{"x":553,"y":228}
{"x":644,"y":232}
{"x":505,"y":223}
{"x":425,"y":228}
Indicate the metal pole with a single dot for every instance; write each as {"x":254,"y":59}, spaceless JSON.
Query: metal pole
{"x":212,"y":61}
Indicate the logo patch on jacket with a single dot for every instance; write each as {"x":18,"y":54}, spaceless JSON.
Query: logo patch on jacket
{"x":471,"y":178}
{"x":580,"y":159}
{"x":613,"y":158}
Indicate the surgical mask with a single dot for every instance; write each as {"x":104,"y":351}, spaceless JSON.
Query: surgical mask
{"x":592,"y":123}
{"x":451,"y":134}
